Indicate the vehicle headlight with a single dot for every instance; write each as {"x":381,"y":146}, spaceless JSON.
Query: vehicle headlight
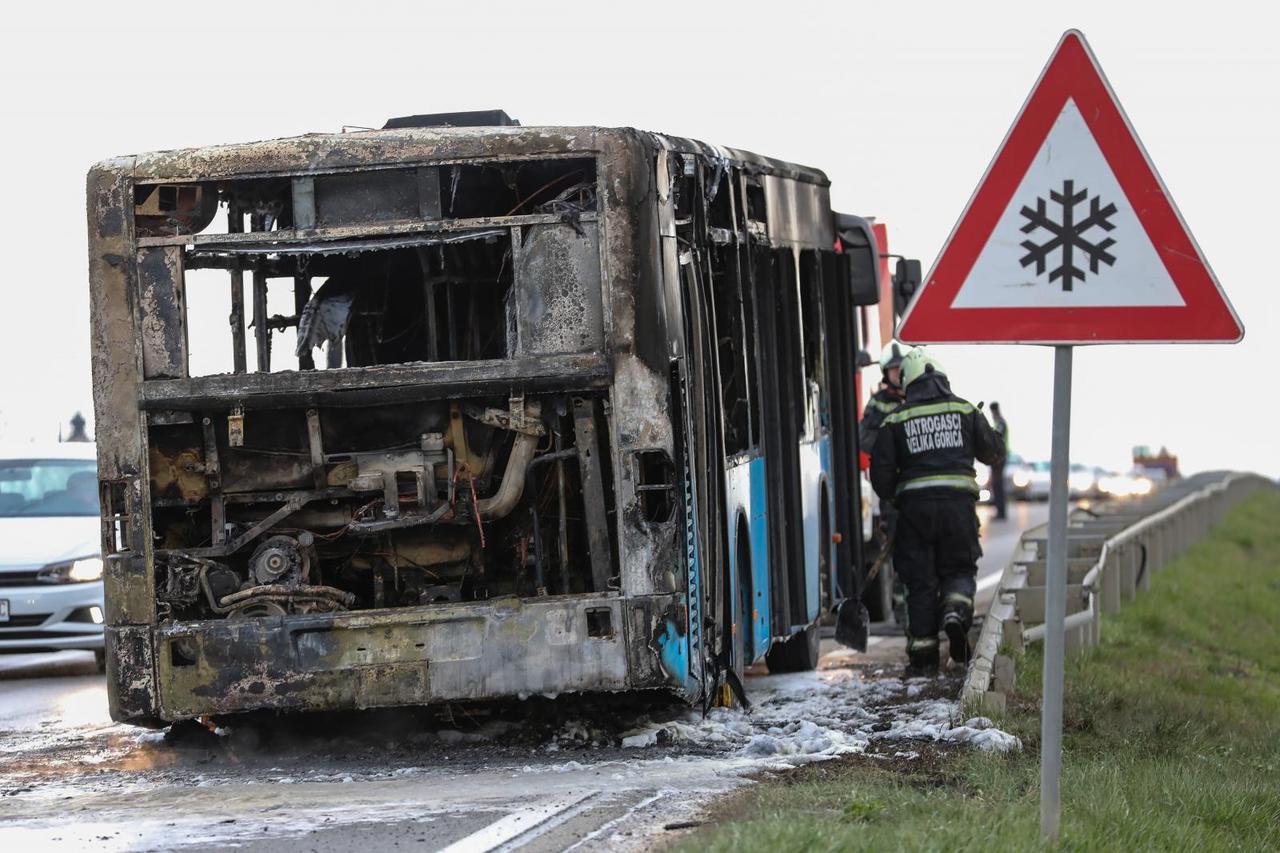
{"x":1021,"y":479}
{"x":1081,"y":482}
{"x":82,"y":570}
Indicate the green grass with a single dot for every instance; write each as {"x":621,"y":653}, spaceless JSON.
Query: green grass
{"x":1172,"y":736}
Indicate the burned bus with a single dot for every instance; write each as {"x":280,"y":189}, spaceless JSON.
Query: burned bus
{"x":440,"y":413}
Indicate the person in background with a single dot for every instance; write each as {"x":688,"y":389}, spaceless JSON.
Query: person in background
{"x":923,"y":463}
{"x":886,"y":398}
{"x":1001,"y":427}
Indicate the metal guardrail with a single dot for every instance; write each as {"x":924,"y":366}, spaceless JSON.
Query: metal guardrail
{"x":1112,"y":554}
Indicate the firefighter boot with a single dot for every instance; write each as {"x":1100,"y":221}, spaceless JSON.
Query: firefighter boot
{"x":957,"y":615}
{"x":958,"y":635}
{"x":922,"y":656}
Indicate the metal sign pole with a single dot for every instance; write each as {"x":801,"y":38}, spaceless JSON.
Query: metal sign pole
{"x":1055,"y":602}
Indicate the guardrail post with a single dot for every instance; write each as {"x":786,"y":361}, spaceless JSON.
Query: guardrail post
{"x":1095,"y":624}
{"x":1111,"y":583}
{"x":1147,"y":558}
{"x":1128,"y":571}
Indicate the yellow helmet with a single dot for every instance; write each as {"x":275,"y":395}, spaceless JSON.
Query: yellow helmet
{"x":918,"y":363}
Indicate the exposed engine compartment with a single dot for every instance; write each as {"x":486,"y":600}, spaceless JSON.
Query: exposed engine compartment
{"x":410,"y":461}
{"x":404,"y":504}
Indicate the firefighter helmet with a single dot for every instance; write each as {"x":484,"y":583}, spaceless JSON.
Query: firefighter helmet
{"x":918,"y":363}
{"x":892,"y":355}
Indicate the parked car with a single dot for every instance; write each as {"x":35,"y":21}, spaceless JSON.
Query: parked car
{"x":50,"y":550}
{"x":1030,"y":481}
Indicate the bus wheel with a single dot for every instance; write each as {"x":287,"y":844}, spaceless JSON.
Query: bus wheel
{"x":797,"y":653}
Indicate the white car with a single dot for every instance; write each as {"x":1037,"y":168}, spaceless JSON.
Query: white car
{"x":50,"y":550}
{"x":1030,"y":481}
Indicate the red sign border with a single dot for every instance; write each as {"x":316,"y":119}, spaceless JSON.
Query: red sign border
{"x":1206,"y":317}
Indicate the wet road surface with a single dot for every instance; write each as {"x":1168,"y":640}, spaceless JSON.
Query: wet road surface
{"x":532,"y":776}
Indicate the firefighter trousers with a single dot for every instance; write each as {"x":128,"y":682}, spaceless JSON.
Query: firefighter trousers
{"x":936,"y":553}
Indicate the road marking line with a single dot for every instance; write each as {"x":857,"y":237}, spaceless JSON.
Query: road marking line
{"x":607,"y":827}
{"x":519,"y":823}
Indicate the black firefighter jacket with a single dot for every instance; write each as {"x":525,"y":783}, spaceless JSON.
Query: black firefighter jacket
{"x":928,"y":444}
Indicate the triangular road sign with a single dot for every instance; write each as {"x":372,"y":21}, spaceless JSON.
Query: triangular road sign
{"x":1071,"y":237}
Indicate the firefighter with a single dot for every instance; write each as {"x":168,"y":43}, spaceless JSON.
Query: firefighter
{"x":923,"y":463}
{"x":887,"y":397}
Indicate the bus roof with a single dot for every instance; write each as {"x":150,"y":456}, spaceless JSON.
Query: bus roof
{"x":318,"y":153}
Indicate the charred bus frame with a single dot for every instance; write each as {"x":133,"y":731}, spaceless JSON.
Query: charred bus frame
{"x":583,"y":420}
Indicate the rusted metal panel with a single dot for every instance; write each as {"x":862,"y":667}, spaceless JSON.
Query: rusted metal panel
{"x":115,"y":359}
{"x":320,"y":153}
{"x":163,"y":317}
{"x":304,"y":203}
{"x":799,"y":214}
{"x":116,"y":362}
{"x":506,"y":648}
{"x":362,"y":197}
{"x":593,"y":499}
{"x":131,"y":687}
{"x":440,"y":380}
{"x":125,"y":589}
{"x":559,"y":291}
{"x":314,"y":240}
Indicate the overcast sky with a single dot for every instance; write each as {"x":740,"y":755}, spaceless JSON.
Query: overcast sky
{"x":901,"y":104}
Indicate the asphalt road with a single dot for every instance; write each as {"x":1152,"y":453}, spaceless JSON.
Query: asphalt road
{"x":999,"y":538}
{"x":552,"y":779}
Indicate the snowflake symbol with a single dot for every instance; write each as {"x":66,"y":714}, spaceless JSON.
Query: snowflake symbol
{"x":1068,"y":235}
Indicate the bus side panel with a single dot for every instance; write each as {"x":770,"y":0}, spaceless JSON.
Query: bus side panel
{"x":758,"y":530}
{"x":737,"y":485}
{"x":826,"y":459}
{"x":812,"y":469}
{"x":745,"y":483}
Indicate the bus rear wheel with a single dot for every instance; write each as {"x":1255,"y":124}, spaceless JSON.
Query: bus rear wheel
{"x":800,"y":652}
{"x":797,"y":653}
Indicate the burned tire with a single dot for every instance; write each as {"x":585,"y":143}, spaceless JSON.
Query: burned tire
{"x":100,"y":660}
{"x":797,"y":653}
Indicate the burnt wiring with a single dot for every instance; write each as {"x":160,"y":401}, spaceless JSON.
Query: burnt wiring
{"x":548,"y":185}
{"x":471,"y":482}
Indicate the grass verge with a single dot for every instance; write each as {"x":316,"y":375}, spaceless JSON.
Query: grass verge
{"x":1172,"y":737}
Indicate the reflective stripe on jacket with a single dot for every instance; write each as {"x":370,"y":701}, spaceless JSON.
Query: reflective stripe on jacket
{"x":929,"y":443}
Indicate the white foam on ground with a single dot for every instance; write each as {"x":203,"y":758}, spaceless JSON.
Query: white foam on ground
{"x":936,"y":720}
{"x":839,"y":712}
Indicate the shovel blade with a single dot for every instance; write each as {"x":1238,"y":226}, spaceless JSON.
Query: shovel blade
{"x":853,"y":624}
